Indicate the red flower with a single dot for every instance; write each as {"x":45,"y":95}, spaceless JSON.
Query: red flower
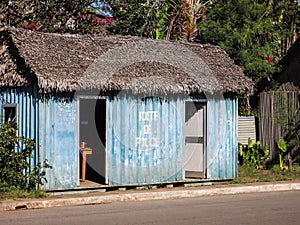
{"x":31,"y":26}
{"x":79,"y":16}
{"x":96,"y":20}
{"x":269,"y":59}
{"x":101,"y":23}
{"x":109,"y":19}
{"x":73,"y":18}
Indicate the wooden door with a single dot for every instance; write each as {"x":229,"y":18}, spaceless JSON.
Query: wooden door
{"x":194,"y":139}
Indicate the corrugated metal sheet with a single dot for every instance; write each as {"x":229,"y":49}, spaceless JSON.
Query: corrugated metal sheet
{"x":222,"y":137}
{"x":58,"y":141}
{"x":27,"y":107}
{"x":144,"y":137}
{"x":52,"y":124}
{"x":246,"y":129}
{"x":144,"y":140}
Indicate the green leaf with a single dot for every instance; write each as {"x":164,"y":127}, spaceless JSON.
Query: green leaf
{"x":250,"y":144}
{"x":282,"y":144}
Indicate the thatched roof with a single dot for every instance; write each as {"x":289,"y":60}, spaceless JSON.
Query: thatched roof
{"x":61,"y":62}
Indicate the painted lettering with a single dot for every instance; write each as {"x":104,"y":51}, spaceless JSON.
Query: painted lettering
{"x":147,"y":142}
{"x":147,"y":129}
{"x":148,"y":116}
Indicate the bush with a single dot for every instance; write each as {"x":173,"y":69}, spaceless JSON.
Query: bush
{"x":16,"y":153}
{"x":253,"y":155}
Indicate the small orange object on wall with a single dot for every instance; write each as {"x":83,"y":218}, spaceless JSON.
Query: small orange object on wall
{"x":84,"y":151}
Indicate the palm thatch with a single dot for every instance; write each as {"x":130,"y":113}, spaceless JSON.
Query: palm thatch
{"x":65,"y":63}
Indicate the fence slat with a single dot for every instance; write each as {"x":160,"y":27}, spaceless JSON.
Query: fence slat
{"x":279,"y":112}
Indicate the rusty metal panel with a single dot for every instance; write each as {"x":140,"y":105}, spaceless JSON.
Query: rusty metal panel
{"x":144,"y":140}
{"x":222,"y":117}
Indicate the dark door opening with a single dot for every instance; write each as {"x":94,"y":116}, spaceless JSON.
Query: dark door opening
{"x":92,"y":131}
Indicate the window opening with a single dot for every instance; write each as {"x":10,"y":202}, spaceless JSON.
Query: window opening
{"x":9,"y":113}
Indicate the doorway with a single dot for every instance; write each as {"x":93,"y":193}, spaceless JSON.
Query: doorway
{"x":92,"y":131}
{"x":194,"y":157}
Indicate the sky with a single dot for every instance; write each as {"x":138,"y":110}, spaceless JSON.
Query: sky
{"x":100,"y":4}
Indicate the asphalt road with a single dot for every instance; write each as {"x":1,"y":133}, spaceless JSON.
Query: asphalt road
{"x":261,"y":208}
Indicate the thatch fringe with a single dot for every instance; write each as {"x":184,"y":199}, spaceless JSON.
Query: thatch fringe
{"x":64,"y":63}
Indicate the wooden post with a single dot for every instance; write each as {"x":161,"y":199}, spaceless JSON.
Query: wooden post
{"x":84,"y":151}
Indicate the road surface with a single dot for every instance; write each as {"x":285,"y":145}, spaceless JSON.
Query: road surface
{"x":257,"y":208}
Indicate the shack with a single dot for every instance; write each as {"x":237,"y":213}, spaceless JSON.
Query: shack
{"x":122,"y":110}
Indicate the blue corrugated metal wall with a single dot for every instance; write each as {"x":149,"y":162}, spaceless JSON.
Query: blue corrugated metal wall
{"x":58,"y":141}
{"x":27,"y":107}
{"x":144,"y":140}
{"x":145,"y":137}
{"x":222,"y":115}
{"x":51,"y":122}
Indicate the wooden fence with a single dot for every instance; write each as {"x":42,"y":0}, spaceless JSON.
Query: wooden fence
{"x":279,"y":115}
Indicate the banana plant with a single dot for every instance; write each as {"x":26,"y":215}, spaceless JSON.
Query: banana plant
{"x":282,"y":146}
{"x":253,"y":154}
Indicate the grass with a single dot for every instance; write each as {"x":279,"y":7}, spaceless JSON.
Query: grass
{"x":16,"y":194}
{"x":252,"y":175}
{"x":245,"y":175}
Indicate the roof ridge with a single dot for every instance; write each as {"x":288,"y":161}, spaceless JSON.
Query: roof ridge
{"x":68,"y":35}
{"x":60,"y":63}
